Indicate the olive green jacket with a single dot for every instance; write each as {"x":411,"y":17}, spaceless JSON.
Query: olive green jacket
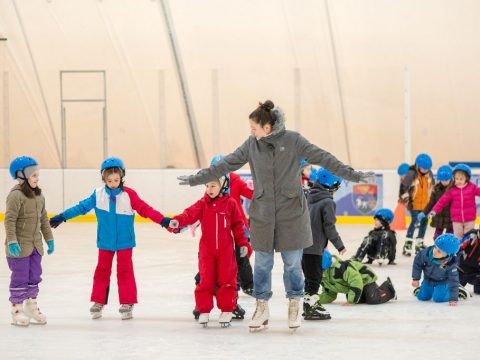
{"x":26,"y":221}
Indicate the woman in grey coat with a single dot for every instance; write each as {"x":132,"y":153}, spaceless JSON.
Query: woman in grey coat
{"x":279,"y":217}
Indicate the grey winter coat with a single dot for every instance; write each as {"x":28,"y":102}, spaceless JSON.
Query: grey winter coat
{"x":322,"y":219}
{"x":279,"y":218}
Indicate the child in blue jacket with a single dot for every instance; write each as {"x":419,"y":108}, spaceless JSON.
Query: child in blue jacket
{"x":115,"y":206}
{"x":440,"y":275}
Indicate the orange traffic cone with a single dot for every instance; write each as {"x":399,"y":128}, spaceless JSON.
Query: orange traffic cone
{"x":399,"y":222}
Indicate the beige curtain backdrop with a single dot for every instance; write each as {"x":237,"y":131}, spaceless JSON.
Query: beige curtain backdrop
{"x":335,"y":67}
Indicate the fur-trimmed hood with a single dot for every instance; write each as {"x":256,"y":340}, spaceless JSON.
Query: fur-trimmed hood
{"x":279,"y":120}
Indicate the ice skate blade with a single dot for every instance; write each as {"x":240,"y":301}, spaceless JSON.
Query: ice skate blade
{"x":225,"y":324}
{"x":258,"y":328}
{"x":127,"y":316}
{"x":95,"y":316}
{"x":316,"y":318}
{"x":204,"y":325}
{"x":19,"y":324}
{"x":38,"y":322}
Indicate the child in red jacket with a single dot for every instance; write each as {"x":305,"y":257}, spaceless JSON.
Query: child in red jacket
{"x":220,"y":218}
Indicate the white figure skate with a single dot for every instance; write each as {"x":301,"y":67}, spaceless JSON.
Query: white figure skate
{"x":33,"y":312}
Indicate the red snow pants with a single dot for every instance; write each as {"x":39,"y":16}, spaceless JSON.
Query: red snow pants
{"x":218,"y":277}
{"x":127,"y":288}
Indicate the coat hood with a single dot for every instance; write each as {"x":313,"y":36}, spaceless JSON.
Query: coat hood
{"x":317,"y":193}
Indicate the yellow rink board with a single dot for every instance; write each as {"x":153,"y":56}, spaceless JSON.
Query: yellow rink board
{"x":340,"y":219}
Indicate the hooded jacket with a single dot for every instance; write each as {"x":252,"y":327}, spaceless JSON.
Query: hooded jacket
{"x":322,"y":220}
{"x":434,"y":273}
{"x":279,"y":218}
{"x":461,"y":201}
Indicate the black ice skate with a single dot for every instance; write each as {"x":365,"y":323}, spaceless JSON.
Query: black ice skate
{"x":248,"y":291}
{"x":408,"y":247}
{"x":419,"y":245}
{"x":196,"y":313}
{"x":313,"y":310}
{"x":238,"y":313}
{"x":463,"y":293}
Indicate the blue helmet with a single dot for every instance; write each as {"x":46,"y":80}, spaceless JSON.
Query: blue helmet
{"x":403,"y":169}
{"x":444,"y":173}
{"x":20,"y":163}
{"x":216,"y":159}
{"x":112,"y":162}
{"x":326,"y":259}
{"x":313,"y":174}
{"x":462,"y":167}
{"x":303,"y":163}
{"x":424,"y":161}
{"x":328,"y":180}
{"x":384,"y":215}
{"x":448,"y":243}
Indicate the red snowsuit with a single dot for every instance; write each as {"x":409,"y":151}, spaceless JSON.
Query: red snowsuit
{"x":220,"y":218}
{"x":238,"y":188}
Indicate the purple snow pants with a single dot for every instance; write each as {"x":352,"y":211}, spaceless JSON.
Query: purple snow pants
{"x":26,"y":275}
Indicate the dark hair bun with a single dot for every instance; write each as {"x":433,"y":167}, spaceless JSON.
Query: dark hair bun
{"x":267,"y":105}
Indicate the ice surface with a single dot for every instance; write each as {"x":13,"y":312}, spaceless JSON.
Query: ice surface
{"x":163,"y":326}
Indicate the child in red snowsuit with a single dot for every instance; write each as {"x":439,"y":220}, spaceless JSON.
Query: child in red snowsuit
{"x":220,"y":218}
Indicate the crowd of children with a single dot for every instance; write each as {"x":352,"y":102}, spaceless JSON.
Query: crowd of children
{"x":313,"y":276}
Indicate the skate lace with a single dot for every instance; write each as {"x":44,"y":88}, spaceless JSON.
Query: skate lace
{"x":259,"y":310}
{"x":293,"y":310}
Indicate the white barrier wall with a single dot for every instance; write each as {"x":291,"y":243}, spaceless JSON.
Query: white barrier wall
{"x":159,"y":188}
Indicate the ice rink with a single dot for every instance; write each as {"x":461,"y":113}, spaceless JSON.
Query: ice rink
{"x":163,"y":326}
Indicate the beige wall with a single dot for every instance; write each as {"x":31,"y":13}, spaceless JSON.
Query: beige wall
{"x":255,"y":47}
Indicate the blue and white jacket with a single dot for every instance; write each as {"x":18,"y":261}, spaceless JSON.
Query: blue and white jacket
{"x":435,"y":273}
{"x":115,"y":212}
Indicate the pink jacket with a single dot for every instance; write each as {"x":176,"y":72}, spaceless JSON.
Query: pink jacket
{"x":462,"y":203}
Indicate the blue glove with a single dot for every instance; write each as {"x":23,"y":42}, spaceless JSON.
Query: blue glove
{"x":420,"y":217}
{"x":165,"y":222}
{"x":57,"y":220}
{"x":14,"y":249}
{"x":51,"y":247}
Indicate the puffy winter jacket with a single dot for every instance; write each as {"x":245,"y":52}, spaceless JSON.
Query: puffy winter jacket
{"x":441,"y":220}
{"x":347,"y":277}
{"x":239,"y":188}
{"x":26,"y":221}
{"x":322,"y":220}
{"x":462,"y":202}
{"x":418,"y":187}
{"x":435,"y":273}
{"x":115,"y":214}
{"x":219,"y":218}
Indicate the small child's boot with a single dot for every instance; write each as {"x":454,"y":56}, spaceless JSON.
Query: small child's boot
{"x":18,"y":316}
{"x":419,"y":245}
{"x":126,"y":311}
{"x":96,"y":310}
{"x":33,"y":312}
{"x":408,"y":247}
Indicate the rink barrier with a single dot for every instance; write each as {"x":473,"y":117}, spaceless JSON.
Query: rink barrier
{"x":344,"y":220}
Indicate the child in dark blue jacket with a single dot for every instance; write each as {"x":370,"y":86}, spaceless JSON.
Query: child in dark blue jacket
{"x":440,"y":274}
